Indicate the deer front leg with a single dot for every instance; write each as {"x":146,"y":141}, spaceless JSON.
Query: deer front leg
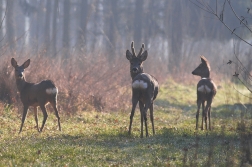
{"x":151,"y":118}
{"x":203,"y":115}
{"x":209,"y":118}
{"x":44,"y":116}
{"x":134,"y":103}
{"x":145,"y":122}
{"x":36,"y":117}
{"x":23,"y":117}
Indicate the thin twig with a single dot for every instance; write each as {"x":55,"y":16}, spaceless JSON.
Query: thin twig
{"x":241,"y":21}
{"x":3,"y":17}
{"x":242,"y":93}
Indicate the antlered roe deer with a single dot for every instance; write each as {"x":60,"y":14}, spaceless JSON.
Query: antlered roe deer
{"x":144,"y":87}
{"x":206,"y":90}
{"x":35,"y":94}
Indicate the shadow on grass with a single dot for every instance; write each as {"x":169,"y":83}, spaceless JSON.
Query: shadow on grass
{"x":236,"y":110}
{"x":222,"y":111}
{"x":178,"y":146}
{"x":164,"y":104}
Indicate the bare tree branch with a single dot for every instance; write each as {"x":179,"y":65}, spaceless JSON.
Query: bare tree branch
{"x":205,"y":7}
{"x":3,"y":18}
{"x":241,"y":21}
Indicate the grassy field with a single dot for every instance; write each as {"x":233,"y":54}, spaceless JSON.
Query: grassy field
{"x":91,"y":138}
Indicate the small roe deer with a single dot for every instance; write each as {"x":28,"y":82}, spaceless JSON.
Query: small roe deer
{"x":206,"y":90}
{"x":35,"y":94}
{"x":144,"y":88}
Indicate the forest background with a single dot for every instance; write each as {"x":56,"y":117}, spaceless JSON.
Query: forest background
{"x":81,"y":45}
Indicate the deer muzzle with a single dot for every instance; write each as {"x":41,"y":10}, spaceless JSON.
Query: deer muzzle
{"x":20,"y":75}
{"x":134,"y":70}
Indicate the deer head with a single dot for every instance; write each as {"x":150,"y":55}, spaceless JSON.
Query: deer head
{"x":19,"y":70}
{"x":136,"y":62}
{"x":203,"y":70}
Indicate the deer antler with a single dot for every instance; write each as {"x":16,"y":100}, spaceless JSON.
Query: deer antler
{"x":141,"y":50}
{"x":133,"y":49}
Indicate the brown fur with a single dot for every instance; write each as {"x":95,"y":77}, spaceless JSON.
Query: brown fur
{"x":34,"y":94}
{"x":203,"y":70}
{"x":146,"y":94}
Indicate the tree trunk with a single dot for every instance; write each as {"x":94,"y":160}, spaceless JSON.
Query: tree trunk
{"x":66,"y":25}
{"x":111,"y":29}
{"x":138,"y":22}
{"x":83,"y":20}
{"x":96,"y":24}
{"x":54,"y":28}
{"x":10,"y":31}
{"x":2,"y":11}
{"x":47,"y":28}
{"x":175,"y":36}
{"x":148,"y":17}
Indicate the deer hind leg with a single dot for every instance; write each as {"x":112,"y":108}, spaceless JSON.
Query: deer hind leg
{"x":206,"y":112}
{"x":54,"y":105}
{"x":151,"y":118}
{"x":141,"y":106}
{"x":42,"y":106}
{"x":145,"y":120}
{"x":23,"y":117}
{"x":36,"y":117}
{"x":146,"y":107}
{"x":197,"y":114}
{"x":203,"y":115}
{"x":134,"y":103}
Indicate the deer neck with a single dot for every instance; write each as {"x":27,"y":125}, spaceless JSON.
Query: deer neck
{"x":21,"y":84}
{"x":205,"y":74}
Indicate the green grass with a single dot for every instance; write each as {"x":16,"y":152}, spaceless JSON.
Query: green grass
{"x":101,"y":139}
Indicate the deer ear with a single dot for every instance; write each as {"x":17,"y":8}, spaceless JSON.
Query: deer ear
{"x":144,"y":56}
{"x":27,"y":63}
{"x":13,"y":62}
{"x":129,"y":56}
{"x":203,"y":59}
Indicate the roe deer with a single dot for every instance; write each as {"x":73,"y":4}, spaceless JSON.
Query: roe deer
{"x":35,"y":94}
{"x":206,"y":90}
{"x":144,"y":87}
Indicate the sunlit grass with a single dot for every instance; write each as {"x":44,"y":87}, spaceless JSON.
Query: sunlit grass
{"x":91,"y":138}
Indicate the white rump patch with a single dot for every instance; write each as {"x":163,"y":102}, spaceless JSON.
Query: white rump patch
{"x":51,"y":90}
{"x":139,"y":84}
{"x":204,"y":89}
